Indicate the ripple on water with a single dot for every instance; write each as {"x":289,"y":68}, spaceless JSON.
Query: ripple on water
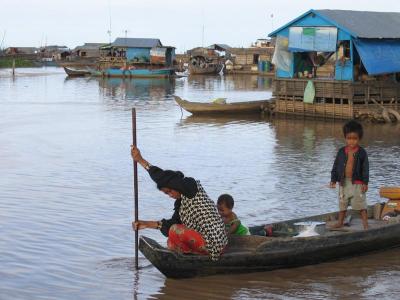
{"x":66,"y":186}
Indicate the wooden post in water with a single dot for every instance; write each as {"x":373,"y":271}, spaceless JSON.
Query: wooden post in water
{"x":135,"y":189}
{"x":13,"y":67}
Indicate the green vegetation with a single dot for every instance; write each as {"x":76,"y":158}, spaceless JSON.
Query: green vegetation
{"x":7,"y":62}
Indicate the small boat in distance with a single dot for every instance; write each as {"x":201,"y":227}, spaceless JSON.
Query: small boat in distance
{"x":206,"y":68}
{"x":197,"y":108}
{"x":281,"y":248}
{"x":73,"y":72}
{"x":205,"y":61}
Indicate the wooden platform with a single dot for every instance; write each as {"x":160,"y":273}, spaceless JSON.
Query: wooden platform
{"x":318,"y":110}
{"x":335,"y":99}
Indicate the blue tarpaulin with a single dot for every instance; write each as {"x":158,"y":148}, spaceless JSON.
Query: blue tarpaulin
{"x":379,"y":56}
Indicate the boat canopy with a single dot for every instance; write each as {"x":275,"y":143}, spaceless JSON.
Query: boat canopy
{"x":379,"y":56}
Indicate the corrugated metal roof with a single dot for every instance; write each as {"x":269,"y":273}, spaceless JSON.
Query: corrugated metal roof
{"x":136,"y":42}
{"x":90,"y":46}
{"x":359,"y":24}
{"x":221,"y":47}
{"x":365,"y":24}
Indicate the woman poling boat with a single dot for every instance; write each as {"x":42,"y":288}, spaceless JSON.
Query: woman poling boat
{"x":195,"y":226}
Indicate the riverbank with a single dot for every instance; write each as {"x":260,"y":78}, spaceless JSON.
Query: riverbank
{"x":7,"y":62}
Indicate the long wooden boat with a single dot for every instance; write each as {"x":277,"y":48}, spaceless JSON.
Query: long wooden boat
{"x":245,"y":254}
{"x":134,"y":73}
{"x":209,"y":69}
{"x":76,"y":72}
{"x":227,"y":108}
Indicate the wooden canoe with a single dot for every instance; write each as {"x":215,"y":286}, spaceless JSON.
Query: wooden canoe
{"x":245,"y":254}
{"x":197,"y":108}
{"x":76,"y":72}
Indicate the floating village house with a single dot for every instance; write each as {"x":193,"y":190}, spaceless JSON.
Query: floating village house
{"x":21,"y":51}
{"x":124,"y":51}
{"x":88,"y":50}
{"x":253,"y":60}
{"x":363,"y":52}
{"x":54,"y":53}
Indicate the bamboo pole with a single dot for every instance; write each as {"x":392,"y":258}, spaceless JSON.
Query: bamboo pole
{"x":13,"y":67}
{"x":135,"y":189}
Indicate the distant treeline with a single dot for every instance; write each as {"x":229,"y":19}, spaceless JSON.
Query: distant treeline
{"x":7,"y":62}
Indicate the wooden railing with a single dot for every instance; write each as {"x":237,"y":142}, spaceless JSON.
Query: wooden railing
{"x":338,"y":91}
{"x":112,"y":59}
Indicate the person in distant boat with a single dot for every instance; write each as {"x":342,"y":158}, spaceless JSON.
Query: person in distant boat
{"x":233,"y":225}
{"x":351,"y":170}
{"x":195,"y":226}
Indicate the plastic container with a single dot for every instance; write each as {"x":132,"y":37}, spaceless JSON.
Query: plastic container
{"x":392,"y":193}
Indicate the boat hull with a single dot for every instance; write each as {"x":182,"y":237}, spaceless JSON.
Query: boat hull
{"x":76,"y":72}
{"x":258,"y":253}
{"x":135,"y":73}
{"x":198,"y":108}
{"x":209,"y":70}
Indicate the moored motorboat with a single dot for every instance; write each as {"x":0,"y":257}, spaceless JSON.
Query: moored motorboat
{"x":134,"y":72}
{"x":223,"y":108}
{"x":206,"y":69}
{"x":245,"y":254}
{"x":76,"y":72}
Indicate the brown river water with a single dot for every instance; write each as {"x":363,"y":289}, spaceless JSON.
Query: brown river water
{"x":66,"y":186}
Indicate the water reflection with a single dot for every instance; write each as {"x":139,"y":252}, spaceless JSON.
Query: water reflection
{"x":236,"y":82}
{"x":137,"y":87}
{"x":352,"y":278}
{"x":65,"y":160}
{"x":221,"y":120}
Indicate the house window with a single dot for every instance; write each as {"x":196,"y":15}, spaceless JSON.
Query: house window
{"x":255,"y":58}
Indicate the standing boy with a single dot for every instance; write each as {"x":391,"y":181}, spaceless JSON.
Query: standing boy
{"x":351,"y":170}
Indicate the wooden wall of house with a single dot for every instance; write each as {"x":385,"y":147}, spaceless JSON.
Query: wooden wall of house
{"x":265,"y":57}
{"x":244,"y":59}
{"x":89,"y":53}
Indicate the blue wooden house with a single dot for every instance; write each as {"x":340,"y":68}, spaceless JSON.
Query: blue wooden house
{"x":370,"y":40}
{"x":139,"y":50}
{"x":136,"y":57}
{"x":362,"y":48}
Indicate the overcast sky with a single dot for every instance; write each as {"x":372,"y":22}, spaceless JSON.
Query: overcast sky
{"x":176,"y":22}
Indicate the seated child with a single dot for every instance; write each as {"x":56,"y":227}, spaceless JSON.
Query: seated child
{"x":351,"y":171}
{"x":232,"y":223}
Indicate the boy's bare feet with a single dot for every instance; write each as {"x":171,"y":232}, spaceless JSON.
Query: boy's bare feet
{"x":337,"y":225}
{"x":340,"y":220}
{"x":364,"y":218}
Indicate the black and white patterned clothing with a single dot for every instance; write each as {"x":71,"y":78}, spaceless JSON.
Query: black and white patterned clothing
{"x":195,"y":209}
{"x":200,"y":213}
{"x":175,"y":219}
